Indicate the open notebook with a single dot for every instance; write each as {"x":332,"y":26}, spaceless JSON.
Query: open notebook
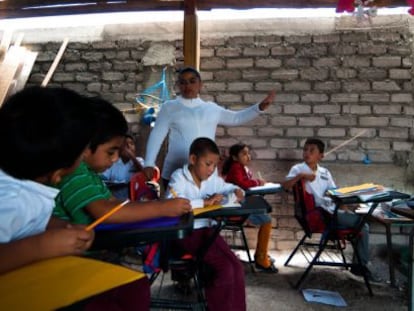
{"x":227,"y":202}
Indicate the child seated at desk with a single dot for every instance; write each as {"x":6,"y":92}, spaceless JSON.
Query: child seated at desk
{"x":45,"y":131}
{"x":83,"y":195}
{"x":236,"y":171}
{"x":317,"y":181}
{"x":199,"y":182}
{"x":117,"y":177}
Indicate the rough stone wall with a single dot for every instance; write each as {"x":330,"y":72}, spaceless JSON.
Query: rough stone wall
{"x":331,"y":85}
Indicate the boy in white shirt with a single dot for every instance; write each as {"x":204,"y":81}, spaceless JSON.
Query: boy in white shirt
{"x":199,"y":182}
{"x":117,"y":177}
{"x":46,"y":131}
{"x":317,"y":181}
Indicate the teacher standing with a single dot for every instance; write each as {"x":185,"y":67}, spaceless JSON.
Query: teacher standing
{"x":188,"y":117}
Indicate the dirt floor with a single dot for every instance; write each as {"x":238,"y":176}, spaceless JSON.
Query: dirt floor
{"x":267,"y":292}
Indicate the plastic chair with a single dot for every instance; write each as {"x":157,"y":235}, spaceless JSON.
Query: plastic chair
{"x":140,"y":189}
{"x":315,"y":220}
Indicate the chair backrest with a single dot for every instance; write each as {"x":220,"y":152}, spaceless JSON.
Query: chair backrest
{"x":140,"y":189}
{"x":309,"y":216}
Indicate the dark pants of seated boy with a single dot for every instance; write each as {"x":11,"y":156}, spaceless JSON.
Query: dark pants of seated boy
{"x":225,"y":289}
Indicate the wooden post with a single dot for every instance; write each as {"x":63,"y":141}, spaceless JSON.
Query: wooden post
{"x":55,"y":63}
{"x":191,"y":35}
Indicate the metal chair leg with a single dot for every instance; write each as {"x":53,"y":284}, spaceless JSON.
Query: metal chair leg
{"x":295,"y":250}
{"x":310,"y":266}
{"x":246,"y":248}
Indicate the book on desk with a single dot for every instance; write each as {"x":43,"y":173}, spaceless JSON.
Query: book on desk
{"x":201,"y":210}
{"x":364,"y":192}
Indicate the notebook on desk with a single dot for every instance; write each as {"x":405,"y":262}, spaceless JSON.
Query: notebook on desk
{"x":266,"y":186}
{"x":355,"y":190}
{"x":201,"y":210}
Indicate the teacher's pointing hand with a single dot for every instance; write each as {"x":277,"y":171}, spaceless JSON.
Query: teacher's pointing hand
{"x":265,"y":103}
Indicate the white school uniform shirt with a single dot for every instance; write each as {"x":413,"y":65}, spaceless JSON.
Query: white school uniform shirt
{"x":183,"y":184}
{"x":120,"y":171}
{"x":185,"y":120}
{"x":319,"y":186}
{"x":25,"y":208}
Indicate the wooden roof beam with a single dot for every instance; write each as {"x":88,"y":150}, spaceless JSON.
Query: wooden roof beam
{"x":191,"y":35}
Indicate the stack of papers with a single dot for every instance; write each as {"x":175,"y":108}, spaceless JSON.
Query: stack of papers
{"x":201,"y":210}
{"x":365,"y":192}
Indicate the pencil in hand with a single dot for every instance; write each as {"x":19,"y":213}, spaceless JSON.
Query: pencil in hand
{"x":101,"y":219}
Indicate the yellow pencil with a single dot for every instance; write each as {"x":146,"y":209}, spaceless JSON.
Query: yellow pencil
{"x":175,"y":195}
{"x":101,"y":219}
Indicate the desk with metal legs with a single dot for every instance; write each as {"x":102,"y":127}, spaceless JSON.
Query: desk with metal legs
{"x":118,"y":236}
{"x":388,"y":224}
{"x":163,"y":229}
{"x":254,"y":204}
{"x":390,"y":195}
{"x":251,"y":205}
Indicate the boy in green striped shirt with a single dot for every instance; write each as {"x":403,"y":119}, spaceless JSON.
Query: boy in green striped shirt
{"x":83,"y":195}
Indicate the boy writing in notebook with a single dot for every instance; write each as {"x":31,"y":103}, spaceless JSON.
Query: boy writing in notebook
{"x":317,"y":181}
{"x":45,"y":131}
{"x":199,"y":182}
{"x":83,"y":195}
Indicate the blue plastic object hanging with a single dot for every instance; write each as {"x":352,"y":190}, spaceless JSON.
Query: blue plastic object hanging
{"x":161,"y":86}
{"x":366,"y":159}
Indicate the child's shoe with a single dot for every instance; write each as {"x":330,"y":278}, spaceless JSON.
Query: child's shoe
{"x":270,"y":269}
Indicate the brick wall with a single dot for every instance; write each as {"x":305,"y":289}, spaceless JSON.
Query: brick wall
{"x":331,"y":85}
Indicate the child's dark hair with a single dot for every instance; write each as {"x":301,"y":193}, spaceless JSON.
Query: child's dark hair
{"x":191,"y":70}
{"x":43,"y":130}
{"x":130,"y":136}
{"x":233,"y":152}
{"x":110,"y":123}
{"x":203,"y":145}
{"x":316,"y":141}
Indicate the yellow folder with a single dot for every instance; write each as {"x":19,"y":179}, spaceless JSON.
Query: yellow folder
{"x":198,"y":211}
{"x":361,"y":187}
{"x":58,"y":282}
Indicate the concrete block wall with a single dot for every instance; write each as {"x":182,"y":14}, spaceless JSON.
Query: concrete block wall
{"x":332,"y":85}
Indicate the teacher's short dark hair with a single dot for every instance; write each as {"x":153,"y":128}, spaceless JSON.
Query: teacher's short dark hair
{"x":191,"y":70}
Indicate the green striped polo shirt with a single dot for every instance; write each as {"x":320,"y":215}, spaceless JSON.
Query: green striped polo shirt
{"x":77,"y":190}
